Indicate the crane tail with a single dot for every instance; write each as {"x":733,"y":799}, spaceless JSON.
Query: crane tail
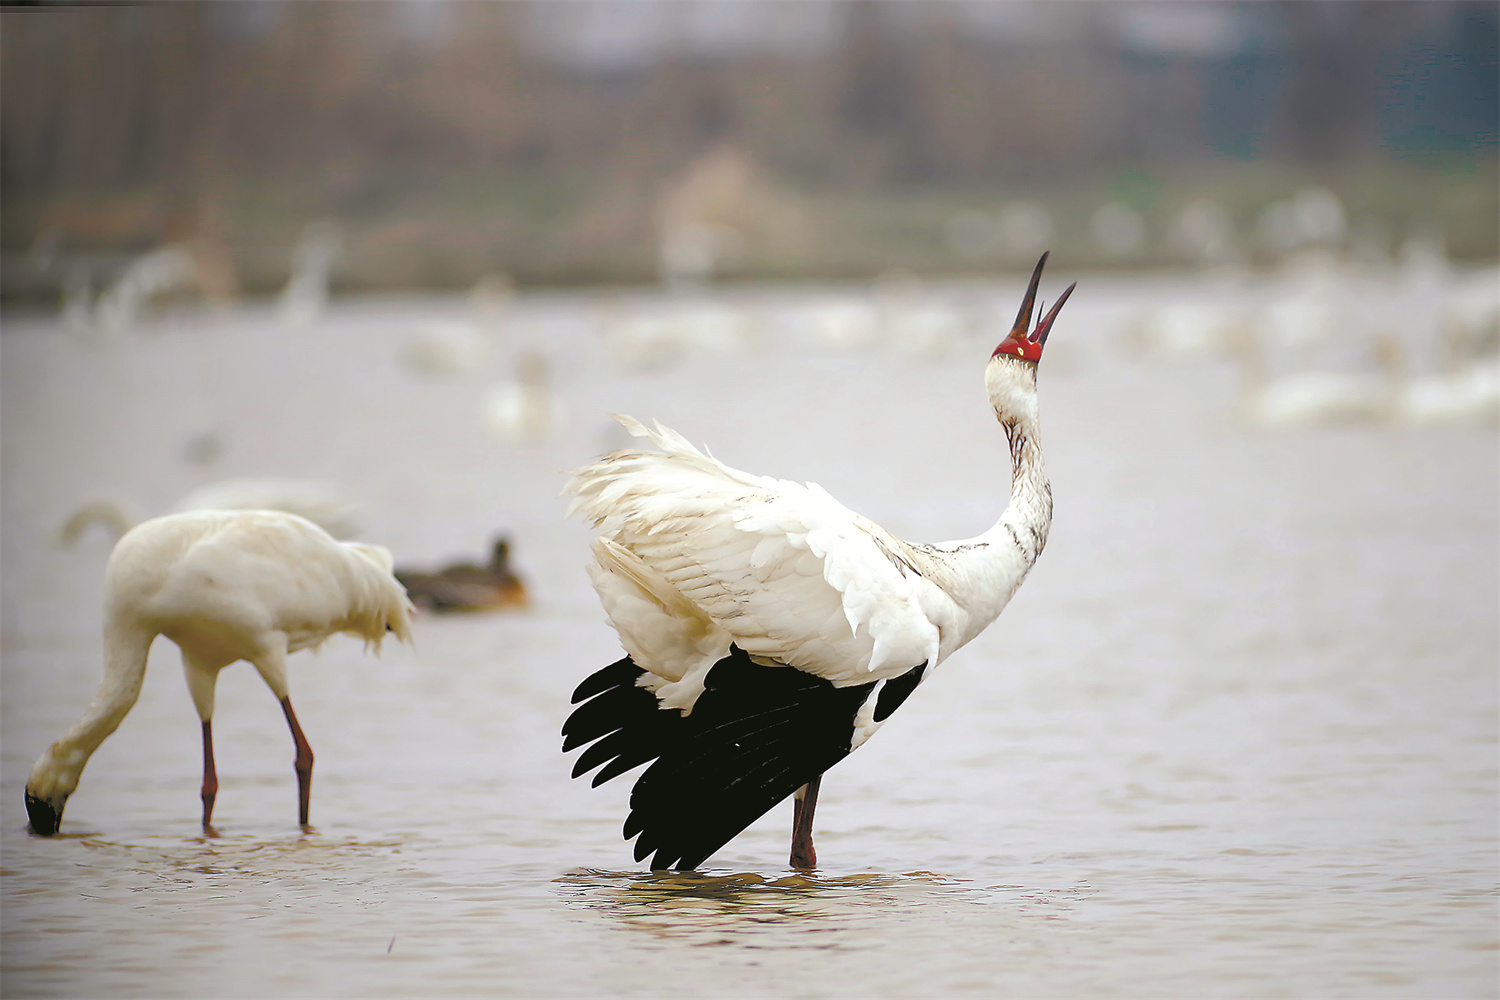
{"x":622,"y":671}
{"x":625,"y":718}
{"x":756,"y":734}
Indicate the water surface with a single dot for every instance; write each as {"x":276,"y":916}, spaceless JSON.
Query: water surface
{"x":1236,"y":736}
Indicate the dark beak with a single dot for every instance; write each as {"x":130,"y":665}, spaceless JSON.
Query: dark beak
{"x":1023,"y":318}
{"x":1045,"y":326}
{"x":44,"y":818}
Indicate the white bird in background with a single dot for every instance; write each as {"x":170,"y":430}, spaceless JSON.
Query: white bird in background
{"x":306,"y":293}
{"x":1469,"y":395}
{"x":1189,"y":328}
{"x":1315,"y":397}
{"x":525,"y":410}
{"x":844,"y":322}
{"x":318,"y":503}
{"x":120,"y":304}
{"x":224,"y":586}
{"x":692,"y":252}
{"x":769,"y":629}
{"x":915,"y":320}
{"x":448,"y":348}
{"x":1305,"y":399}
{"x":657,"y":336}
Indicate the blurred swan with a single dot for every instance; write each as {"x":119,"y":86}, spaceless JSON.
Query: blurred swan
{"x":926,"y":329}
{"x":912,"y":319}
{"x":526,"y":410}
{"x":1189,"y":329}
{"x":1304,"y":399}
{"x":317,"y":503}
{"x":446,"y":348}
{"x":1470,"y":395}
{"x":1470,"y":320}
{"x":690,"y":253}
{"x":1310,"y":304}
{"x":841,"y":322}
{"x":466,"y":586}
{"x":122,"y":301}
{"x":1313,"y":398}
{"x":306,"y":293}
{"x":663,"y":334}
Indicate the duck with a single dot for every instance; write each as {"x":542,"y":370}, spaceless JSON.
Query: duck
{"x":467,"y":586}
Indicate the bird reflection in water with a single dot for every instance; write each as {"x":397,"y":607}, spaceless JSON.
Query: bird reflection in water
{"x":747,"y":908}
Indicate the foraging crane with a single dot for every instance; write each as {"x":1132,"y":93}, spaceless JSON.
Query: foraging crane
{"x":769,"y":630}
{"x":224,"y":585}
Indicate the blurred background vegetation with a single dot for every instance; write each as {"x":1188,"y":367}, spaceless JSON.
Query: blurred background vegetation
{"x":570,"y":143}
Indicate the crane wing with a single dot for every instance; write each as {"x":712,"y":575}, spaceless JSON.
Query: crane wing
{"x":694,"y":555}
{"x":756,"y":735}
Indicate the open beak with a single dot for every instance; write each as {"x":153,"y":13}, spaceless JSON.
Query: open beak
{"x":1028,"y":345}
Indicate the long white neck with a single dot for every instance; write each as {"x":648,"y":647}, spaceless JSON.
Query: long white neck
{"x":1028,"y":515}
{"x":982,"y":574}
{"x":57,"y":771}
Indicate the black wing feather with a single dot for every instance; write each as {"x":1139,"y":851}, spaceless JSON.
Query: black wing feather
{"x":620,"y":705}
{"x":896,"y":690}
{"x":755,"y":735}
{"x":622,"y":671}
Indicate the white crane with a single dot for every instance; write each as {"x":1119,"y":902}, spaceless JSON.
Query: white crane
{"x":770,"y":630}
{"x":224,"y":586}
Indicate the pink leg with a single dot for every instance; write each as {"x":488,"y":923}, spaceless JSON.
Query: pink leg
{"x":210,"y":778}
{"x":803,"y":855}
{"x":303,"y":762}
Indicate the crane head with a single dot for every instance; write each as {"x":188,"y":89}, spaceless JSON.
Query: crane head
{"x":1028,"y":345}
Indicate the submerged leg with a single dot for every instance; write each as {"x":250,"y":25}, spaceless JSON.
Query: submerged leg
{"x":210,"y":779}
{"x":303,"y":762}
{"x":804,"y":801}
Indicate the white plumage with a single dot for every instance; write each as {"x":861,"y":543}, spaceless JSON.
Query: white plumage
{"x":819,"y":619}
{"x":1469,"y":395}
{"x":224,"y":586}
{"x":306,"y":293}
{"x":694,"y":555}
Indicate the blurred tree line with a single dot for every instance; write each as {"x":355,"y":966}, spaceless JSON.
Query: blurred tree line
{"x":554,"y":141}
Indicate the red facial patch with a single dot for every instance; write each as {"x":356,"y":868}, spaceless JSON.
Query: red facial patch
{"x":1020,"y":343}
{"x":1017,"y":347}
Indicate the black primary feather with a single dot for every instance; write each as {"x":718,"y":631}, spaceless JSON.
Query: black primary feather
{"x":896,"y":690}
{"x":756,"y":734}
{"x":622,"y":671}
